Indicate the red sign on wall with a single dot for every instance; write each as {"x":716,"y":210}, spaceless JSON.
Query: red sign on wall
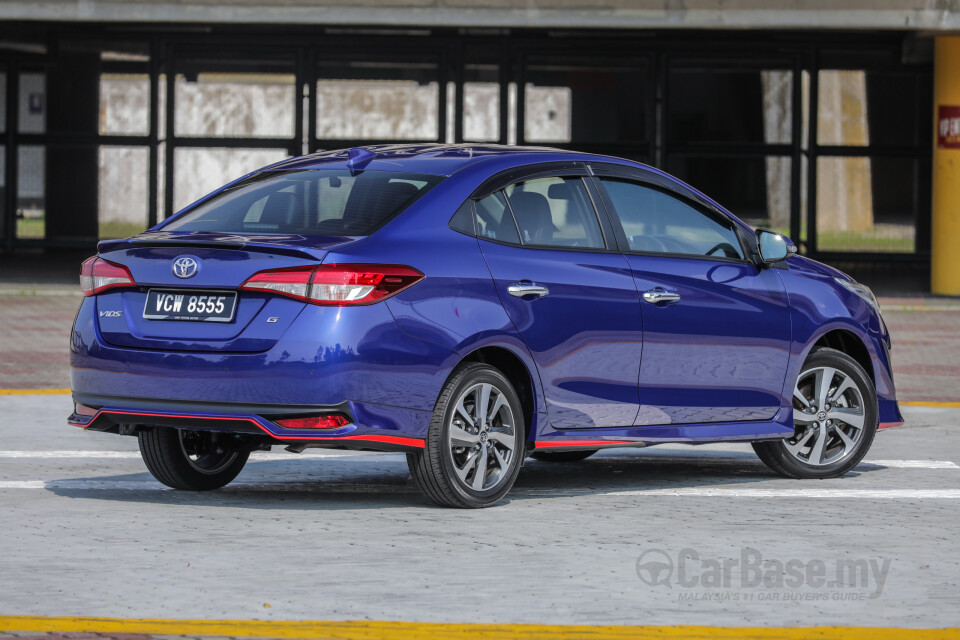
{"x":948,"y":127}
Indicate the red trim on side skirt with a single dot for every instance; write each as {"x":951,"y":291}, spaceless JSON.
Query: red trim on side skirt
{"x":889,"y":425}
{"x":546,"y":444}
{"x":408,"y":442}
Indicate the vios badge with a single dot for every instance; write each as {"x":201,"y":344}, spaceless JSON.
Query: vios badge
{"x":186,"y":267}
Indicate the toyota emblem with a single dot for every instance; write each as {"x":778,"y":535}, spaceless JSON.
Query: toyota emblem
{"x":185,"y":267}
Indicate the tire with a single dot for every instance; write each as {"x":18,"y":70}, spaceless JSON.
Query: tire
{"x":189,"y":460}
{"x":842,"y":414}
{"x":466,"y":462}
{"x":563,"y":456}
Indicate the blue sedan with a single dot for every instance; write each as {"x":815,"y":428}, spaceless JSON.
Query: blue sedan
{"x":471,"y":306}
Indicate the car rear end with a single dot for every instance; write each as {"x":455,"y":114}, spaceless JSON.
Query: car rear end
{"x":226,"y":318}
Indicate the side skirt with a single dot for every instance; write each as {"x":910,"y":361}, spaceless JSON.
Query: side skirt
{"x":781,"y":426}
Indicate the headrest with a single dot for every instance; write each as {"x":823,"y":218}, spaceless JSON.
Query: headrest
{"x":396,"y":193}
{"x":559,"y":191}
{"x":279,"y":209}
{"x":368,"y":206}
{"x":533,"y":216}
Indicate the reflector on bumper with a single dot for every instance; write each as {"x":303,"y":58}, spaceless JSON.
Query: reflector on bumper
{"x":314,"y":422}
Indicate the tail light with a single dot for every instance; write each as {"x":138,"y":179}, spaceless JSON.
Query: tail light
{"x":336,"y":284}
{"x":315,"y":422}
{"x":294,"y":282}
{"x":97,"y":274}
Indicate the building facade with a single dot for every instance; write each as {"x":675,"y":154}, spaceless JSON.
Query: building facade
{"x":818,"y":120}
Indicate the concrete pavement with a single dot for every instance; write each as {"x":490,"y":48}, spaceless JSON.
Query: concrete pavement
{"x":344,"y":536}
{"x":628,"y":537}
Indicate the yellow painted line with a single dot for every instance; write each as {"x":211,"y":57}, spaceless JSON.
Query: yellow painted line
{"x":34,"y":392}
{"x":381,"y":630}
{"x":948,"y":405}
{"x":919,"y":307}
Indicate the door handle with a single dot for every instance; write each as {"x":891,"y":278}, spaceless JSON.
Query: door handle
{"x":524,"y":289}
{"x":655,"y":296}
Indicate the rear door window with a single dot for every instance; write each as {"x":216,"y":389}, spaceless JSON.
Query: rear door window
{"x":555,"y":212}
{"x":313,"y":202}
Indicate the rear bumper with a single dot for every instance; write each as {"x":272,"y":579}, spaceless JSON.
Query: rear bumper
{"x":328,"y":356}
{"x":381,"y":428}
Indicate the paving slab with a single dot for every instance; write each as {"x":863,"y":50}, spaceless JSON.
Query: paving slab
{"x":345,"y":536}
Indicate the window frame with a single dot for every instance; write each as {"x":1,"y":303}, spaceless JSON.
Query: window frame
{"x":609,"y":243}
{"x":563,"y":169}
{"x":672,"y":191}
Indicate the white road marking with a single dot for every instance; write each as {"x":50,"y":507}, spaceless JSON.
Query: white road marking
{"x":152,"y":485}
{"x":268,"y":455}
{"x":387,"y":488}
{"x":734,"y":492}
{"x":69,"y":454}
{"x":729,"y":491}
{"x":914,"y":464}
{"x":256,"y":455}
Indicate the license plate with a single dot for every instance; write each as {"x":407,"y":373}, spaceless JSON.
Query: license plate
{"x":193,"y":306}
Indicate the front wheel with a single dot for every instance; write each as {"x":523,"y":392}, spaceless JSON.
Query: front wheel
{"x":475,"y":442}
{"x":834,"y":419}
{"x":190,"y":460}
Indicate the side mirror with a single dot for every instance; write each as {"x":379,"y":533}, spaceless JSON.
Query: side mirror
{"x":773,"y":246}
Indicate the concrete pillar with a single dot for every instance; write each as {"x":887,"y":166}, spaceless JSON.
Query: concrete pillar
{"x":777,"y":129}
{"x":844,"y":185}
{"x":945,"y":242}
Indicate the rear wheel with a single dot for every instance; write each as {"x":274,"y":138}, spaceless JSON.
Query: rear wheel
{"x":562,"y":456}
{"x":475,"y":443}
{"x":190,"y":460}
{"x":834,"y":419}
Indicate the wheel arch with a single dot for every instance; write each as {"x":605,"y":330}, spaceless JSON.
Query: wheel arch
{"x":849,"y":343}
{"x":517,"y":373}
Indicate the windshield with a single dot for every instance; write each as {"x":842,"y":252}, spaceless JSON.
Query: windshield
{"x":313,"y":202}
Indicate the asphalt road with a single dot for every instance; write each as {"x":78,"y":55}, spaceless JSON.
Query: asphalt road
{"x":627,"y":537}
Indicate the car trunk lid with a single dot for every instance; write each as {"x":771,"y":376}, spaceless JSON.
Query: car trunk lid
{"x":223,"y":263}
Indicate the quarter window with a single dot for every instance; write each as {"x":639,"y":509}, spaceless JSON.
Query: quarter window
{"x":462,"y":220}
{"x":494,"y":220}
{"x":657,"y":222}
{"x":555,"y":212}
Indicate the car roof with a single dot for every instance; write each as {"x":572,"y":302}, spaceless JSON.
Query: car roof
{"x":450,"y":159}
{"x":439,"y":159}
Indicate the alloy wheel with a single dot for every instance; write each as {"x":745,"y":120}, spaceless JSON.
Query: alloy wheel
{"x":828,"y":417}
{"x":482,"y":437}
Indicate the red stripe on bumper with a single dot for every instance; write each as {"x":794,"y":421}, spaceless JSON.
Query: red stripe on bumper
{"x":408,"y":442}
{"x":889,"y":425}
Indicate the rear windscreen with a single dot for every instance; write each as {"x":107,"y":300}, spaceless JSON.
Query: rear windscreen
{"x":317,"y":202}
